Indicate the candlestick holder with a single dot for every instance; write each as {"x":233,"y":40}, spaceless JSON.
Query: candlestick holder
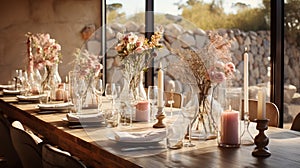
{"x":246,"y":137}
{"x":261,"y":140}
{"x":160,"y":116}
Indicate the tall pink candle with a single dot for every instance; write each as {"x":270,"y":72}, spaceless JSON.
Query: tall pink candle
{"x":230,"y":127}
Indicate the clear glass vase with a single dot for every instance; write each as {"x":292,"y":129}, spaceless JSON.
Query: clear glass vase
{"x":51,"y":81}
{"x":211,"y":100}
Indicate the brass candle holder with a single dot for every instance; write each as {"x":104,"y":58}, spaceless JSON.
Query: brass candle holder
{"x":160,"y":116}
{"x":261,"y":140}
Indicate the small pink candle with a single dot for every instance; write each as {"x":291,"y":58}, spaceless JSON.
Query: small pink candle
{"x":230,"y":127}
{"x":142,"y":111}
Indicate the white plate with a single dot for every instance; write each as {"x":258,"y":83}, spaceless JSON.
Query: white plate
{"x":111,"y":136}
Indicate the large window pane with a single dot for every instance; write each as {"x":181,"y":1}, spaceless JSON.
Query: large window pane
{"x":291,"y":61}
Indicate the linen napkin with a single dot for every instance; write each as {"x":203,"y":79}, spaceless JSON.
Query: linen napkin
{"x":85,"y":118}
{"x":55,"y":105}
{"x":28,"y":98}
{"x":8,"y":86}
{"x":11,"y":92}
{"x":144,"y":136}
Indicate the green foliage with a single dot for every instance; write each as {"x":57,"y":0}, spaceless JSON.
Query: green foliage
{"x":210,"y":17}
{"x":292,"y":18}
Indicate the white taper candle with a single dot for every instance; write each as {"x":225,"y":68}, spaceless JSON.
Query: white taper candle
{"x":160,"y":86}
{"x":246,"y":96}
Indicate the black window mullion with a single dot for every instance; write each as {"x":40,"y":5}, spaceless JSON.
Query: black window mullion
{"x":277,"y":57}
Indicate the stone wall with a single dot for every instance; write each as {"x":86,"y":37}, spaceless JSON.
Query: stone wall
{"x":176,"y":36}
{"x":62,"y":19}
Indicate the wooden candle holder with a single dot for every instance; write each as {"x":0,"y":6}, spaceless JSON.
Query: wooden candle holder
{"x":261,"y":140}
{"x":160,"y":116}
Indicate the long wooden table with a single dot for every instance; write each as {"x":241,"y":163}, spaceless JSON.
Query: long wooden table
{"x":93,"y":147}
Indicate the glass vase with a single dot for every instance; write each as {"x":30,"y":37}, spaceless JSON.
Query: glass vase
{"x":229,"y":122}
{"x":211,"y":100}
{"x":89,"y":99}
{"x":51,"y":81}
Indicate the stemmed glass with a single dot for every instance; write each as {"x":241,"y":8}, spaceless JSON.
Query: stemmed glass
{"x":189,"y":111}
{"x":152,"y":97}
{"x":98,"y":91}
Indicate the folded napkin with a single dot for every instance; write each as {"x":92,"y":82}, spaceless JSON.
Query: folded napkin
{"x":32,"y":97}
{"x":55,"y":105}
{"x":8,"y":86}
{"x":144,"y":136}
{"x":6,"y":91}
{"x":85,"y":118}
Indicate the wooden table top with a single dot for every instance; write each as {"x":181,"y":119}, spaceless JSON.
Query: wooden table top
{"x":93,"y":147}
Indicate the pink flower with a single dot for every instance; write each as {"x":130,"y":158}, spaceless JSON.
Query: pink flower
{"x":229,"y":67}
{"x":219,"y":64}
{"x":132,"y":38}
{"x":218,"y":77}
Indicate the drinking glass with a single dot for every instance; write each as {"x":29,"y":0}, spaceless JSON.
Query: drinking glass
{"x":98,"y":91}
{"x":152,"y":97}
{"x":111,"y":92}
{"x":189,"y":111}
{"x":79,"y":86}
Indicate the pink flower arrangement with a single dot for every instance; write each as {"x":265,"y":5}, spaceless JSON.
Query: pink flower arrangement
{"x":136,"y":53}
{"x":221,"y":71}
{"x":131,"y":43}
{"x":87,"y":64}
{"x":217,"y":58}
{"x":45,"y":51}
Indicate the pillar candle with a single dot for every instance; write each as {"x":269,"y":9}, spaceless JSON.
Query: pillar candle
{"x":246,"y":96}
{"x":230,"y":127}
{"x":261,"y":104}
{"x":160,"y":86}
{"x":142,"y":111}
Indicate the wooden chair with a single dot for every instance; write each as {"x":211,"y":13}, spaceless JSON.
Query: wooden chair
{"x":296,"y":123}
{"x":176,"y":97}
{"x":28,"y":148}
{"x":6,"y":146}
{"x":272,"y":112}
{"x":54,"y":157}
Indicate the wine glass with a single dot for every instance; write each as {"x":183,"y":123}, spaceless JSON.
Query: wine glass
{"x":98,"y":91}
{"x":189,"y":111}
{"x":152,"y":97}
